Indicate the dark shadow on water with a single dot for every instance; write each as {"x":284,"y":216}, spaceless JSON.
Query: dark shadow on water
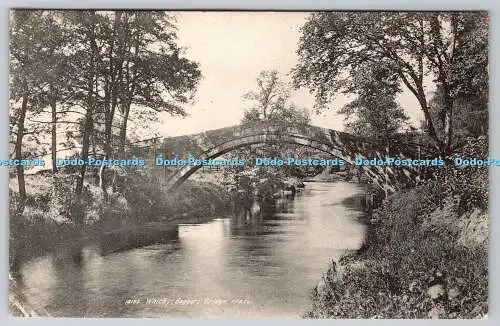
{"x":267,"y":221}
{"x":125,"y":239}
{"x":357,"y":202}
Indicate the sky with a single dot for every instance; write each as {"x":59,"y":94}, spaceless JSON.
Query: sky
{"x":231,"y":49}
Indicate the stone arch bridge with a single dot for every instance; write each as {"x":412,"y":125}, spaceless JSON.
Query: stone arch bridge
{"x":213,"y":143}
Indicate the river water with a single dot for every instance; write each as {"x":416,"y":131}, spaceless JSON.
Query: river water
{"x":229,"y":267}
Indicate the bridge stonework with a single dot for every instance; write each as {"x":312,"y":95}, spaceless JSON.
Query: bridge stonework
{"x":213,"y":143}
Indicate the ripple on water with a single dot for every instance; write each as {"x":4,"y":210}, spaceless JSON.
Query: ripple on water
{"x":271,"y":261}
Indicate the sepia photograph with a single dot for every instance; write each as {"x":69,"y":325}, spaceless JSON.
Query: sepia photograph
{"x":248,"y":164}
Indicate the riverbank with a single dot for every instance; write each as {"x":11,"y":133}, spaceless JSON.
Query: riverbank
{"x":142,"y":208}
{"x":425,"y":256}
{"x":280,"y":252}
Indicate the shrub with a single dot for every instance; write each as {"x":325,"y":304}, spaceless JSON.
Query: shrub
{"x":469,"y":184}
{"x":393,"y":275}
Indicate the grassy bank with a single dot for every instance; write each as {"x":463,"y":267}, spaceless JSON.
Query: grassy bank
{"x":138,"y":200}
{"x":425,"y":256}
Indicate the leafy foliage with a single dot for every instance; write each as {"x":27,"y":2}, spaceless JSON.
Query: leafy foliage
{"x":469,"y":184}
{"x":470,"y":117}
{"x":270,"y":101}
{"x":416,"y":46}
{"x":95,"y":71}
{"x":374,"y":112}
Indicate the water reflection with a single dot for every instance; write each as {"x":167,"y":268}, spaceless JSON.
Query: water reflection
{"x":264,"y":266}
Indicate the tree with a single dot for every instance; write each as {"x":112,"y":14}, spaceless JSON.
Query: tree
{"x":157,"y":76}
{"x":374,"y":113}
{"x":123,"y":61}
{"x":271,"y":101}
{"x":270,"y":95}
{"x":98,"y":69}
{"x":32,"y":62}
{"x":468,"y":80}
{"x":85,"y":40}
{"x":417,"y":45}
{"x":143,"y":69}
{"x":470,"y":116}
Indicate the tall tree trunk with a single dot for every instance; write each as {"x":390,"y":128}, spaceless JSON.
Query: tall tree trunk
{"x":18,"y":151}
{"x":53,"y":146}
{"x":448,"y":122}
{"x":447,"y":93}
{"x":88,"y":127}
{"x":131,"y":82}
{"x":123,"y":129}
{"x":108,"y":131}
{"x":113,"y":87}
{"x":418,"y":91}
{"x":108,"y":152}
{"x":431,"y":130}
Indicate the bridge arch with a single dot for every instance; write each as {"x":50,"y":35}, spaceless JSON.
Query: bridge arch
{"x":182,"y":174}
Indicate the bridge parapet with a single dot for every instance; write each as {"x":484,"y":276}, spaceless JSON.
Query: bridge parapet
{"x":204,"y":141}
{"x":213,"y":143}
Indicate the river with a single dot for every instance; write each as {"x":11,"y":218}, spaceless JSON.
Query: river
{"x":228,"y":267}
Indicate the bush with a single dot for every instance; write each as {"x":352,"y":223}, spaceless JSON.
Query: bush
{"x":469,"y":184}
{"x":394,"y":283}
{"x":406,"y":270}
{"x":148,"y":201}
